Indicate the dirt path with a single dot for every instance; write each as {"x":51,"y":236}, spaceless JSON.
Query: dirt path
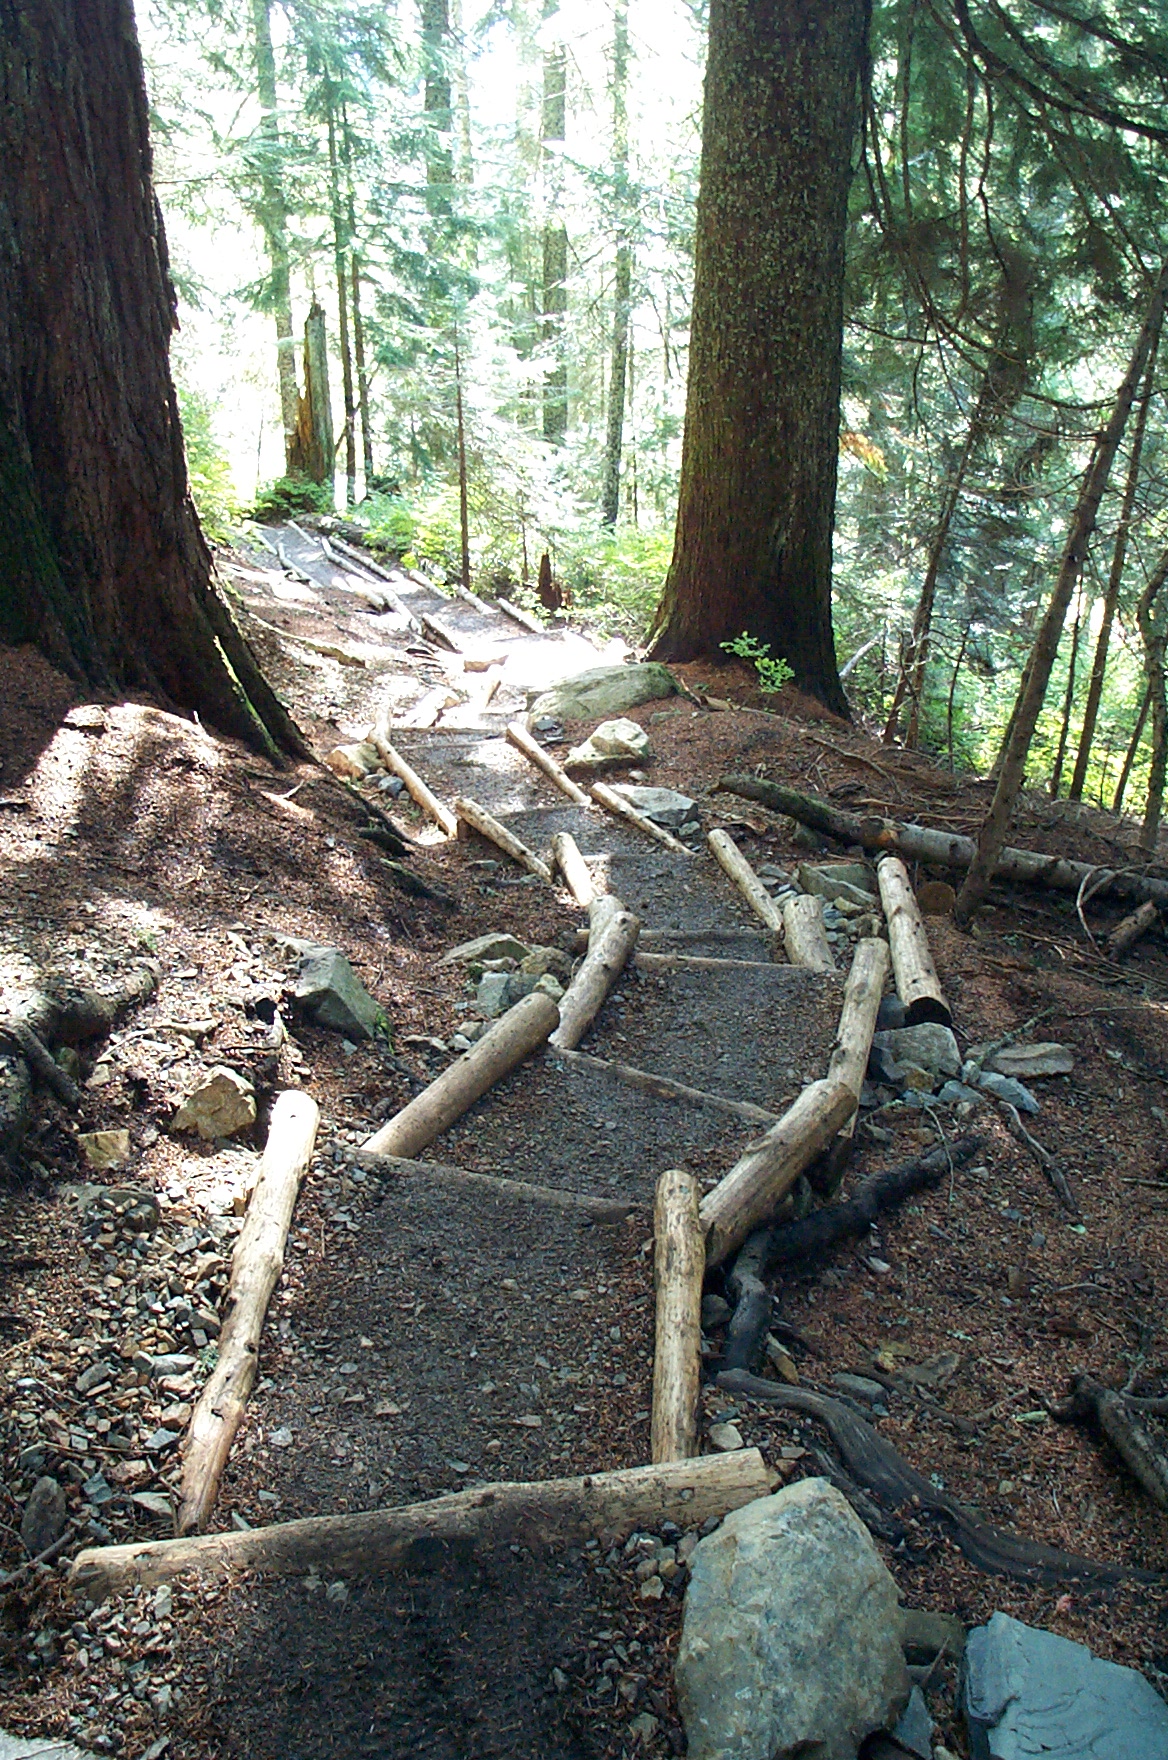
{"x":426,"y":1339}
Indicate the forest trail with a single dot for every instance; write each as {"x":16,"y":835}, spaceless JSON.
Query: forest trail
{"x":431,"y":1334}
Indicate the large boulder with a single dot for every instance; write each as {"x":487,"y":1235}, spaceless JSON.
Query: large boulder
{"x":329,"y":990}
{"x":791,"y":1639}
{"x":1029,"y":1692}
{"x":603,"y":690}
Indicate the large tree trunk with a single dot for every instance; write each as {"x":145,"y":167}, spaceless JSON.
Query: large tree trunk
{"x":758,"y":474}
{"x":340,"y":258}
{"x":273,"y":216}
{"x":313,"y":448}
{"x":1154,"y":632}
{"x":992,"y":837}
{"x":623,"y":279}
{"x":554,"y":300}
{"x":102,"y":562}
{"x":439,"y":157}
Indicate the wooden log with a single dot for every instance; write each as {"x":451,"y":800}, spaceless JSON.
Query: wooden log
{"x":41,"y":1062}
{"x":862,"y":992}
{"x":441,"y":633}
{"x":488,"y":826}
{"x":1120,"y":1424}
{"x":665,"y":1088}
{"x":679,"y":1264}
{"x":535,"y":754}
{"x":917,"y":983}
{"x":546,"y":1514}
{"x":1127,"y":933}
{"x":702,"y":962}
{"x":804,"y":935}
{"x":494,"y":1185}
{"x":523,"y":618}
{"x":415,"y":787}
{"x":612,"y":937}
{"x":616,"y":803}
{"x":577,"y":878}
{"x":495,"y":1055}
{"x":942,"y":849}
{"x":733,"y":863}
{"x":761,"y":1178}
{"x":256,"y":1265}
{"x":469,"y":598}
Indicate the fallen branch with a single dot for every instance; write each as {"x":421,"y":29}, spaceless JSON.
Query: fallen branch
{"x":679,"y":1264}
{"x":943,"y":849}
{"x":616,"y":803}
{"x":501,"y":1048}
{"x":523,"y":618}
{"x":753,"y":1302}
{"x":492,"y":1184}
{"x":733,"y":863}
{"x":878,"y":1466}
{"x":578,"y":880}
{"x":804,"y":935}
{"x":1044,"y":1158}
{"x":1128,"y":932}
{"x":545,"y":1514}
{"x":699,"y":962}
{"x":535,"y":754}
{"x":256,"y":1265}
{"x":612,"y":936}
{"x":489,"y":827}
{"x":761,"y":1178}
{"x":42,"y":1063}
{"x":415,"y":787}
{"x":917,"y":983}
{"x":665,"y":1088}
{"x":1115,"y":1417}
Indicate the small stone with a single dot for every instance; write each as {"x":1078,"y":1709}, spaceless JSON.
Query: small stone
{"x":782,"y":1362}
{"x":45,"y":1515}
{"x":644,"y":1726}
{"x":155,"y":1504}
{"x":663,"y":806}
{"x":484,"y":947}
{"x":280,"y":1437}
{"x":652,"y":1589}
{"x":928,"y":1046}
{"x":104,"y":1148}
{"x":352,"y":762}
{"x":222,"y":1104}
{"x":956,"y":1093}
{"x":338,"y":1593}
{"x":725,"y":1437}
{"x":859,"y":1387}
{"x":329,"y":991}
{"x":97,"y":1375}
{"x":549,"y":986}
{"x":850,"y":881}
{"x":1027,"y":1061}
{"x":491,"y":997}
{"x":1006,"y":1088}
{"x":159,"y":1441}
{"x":914,"y":1731}
{"x":542,"y":960}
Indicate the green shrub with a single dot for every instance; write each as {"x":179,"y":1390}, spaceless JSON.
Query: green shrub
{"x":208,"y":467}
{"x":772,"y":674}
{"x":292,"y":495}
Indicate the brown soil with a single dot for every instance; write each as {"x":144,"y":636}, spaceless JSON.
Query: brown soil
{"x":416,"y":1329}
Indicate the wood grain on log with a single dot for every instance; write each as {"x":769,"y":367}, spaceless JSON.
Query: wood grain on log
{"x":612,"y":936}
{"x":616,"y":803}
{"x":862,"y":993}
{"x":761,"y":1178}
{"x":577,"y":878}
{"x":735,"y":865}
{"x":915,"y":975}
{"x":488,"y":826}
{"x":419,"y":791}
{"x":535,"y":754}
{"x":256,"y":1265}
{"x":500,"y":1049}
{"x":679,"y":1264}
{"x":550,"y":1513}
{"x":804,"y":935}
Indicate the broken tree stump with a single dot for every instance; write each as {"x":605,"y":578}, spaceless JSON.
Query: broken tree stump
{"x":544,"y":1514}
{"x":734,"y":864}
{"x":256,"y":1265}
{"x":535,"y":754}
{"x":612,"y":935}
{"x":914,"y":973}
{"x":679,"y":1264}
{"x":804,"y":935}
{"x":495,"y":1055}
{"x":489,"y":827}
{"x":761,"y":1178}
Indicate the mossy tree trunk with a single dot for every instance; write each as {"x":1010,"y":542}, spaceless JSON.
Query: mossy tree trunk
{"x":102,"y":562}
{"x":758,"y":474}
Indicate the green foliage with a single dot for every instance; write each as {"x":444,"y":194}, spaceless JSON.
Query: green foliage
{"x":208,"y":467}
{"x":391,"y":522}
{"x":772,"y":674}
{"x":289,"y":495}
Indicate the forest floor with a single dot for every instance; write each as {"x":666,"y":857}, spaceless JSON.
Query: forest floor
{"x":421,"y":1341}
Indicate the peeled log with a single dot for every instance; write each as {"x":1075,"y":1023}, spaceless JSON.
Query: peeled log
{"x":732,"y":862}
{"x":611,"y":938}
{"x":679,"y":1264}
{"x":415,"y":787}
{"x":917,"y":983}
{"x":567,"y":857}
{"x":489,"y":827}
{"x":492,"y":1057}
{"x":256,"y":1265}
{"x":545,"y":1514}
{"x":862,"y":993}
{"x":535,"y":754}
{"x":761,"y":1178}
{"x":804,"y":935}
{"x":616,"y":803}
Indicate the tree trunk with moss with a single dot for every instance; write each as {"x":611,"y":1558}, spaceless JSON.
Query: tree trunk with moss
{"x":758,"y":475}
{"x":102,"y":562}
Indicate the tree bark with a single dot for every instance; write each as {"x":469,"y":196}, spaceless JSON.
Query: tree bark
{"x":735,"y":865}
{"x":914,"y":973}
{"x":992,"y":836}
{"x":554,"y":301}
{"x":679,"y":1264}
{"x":273,"y":217}
{"x":612,"y":936}
{"x":1114,"y":582}
{"x":623,"y":276}
{"x":340,"y":259}
{"x":313,"y":449}
{"x":436,"y":102}
{"x":1154,"y":634}
{"x":1056,"y":775}
{"x":102,"y":563}
{"x":759,"y":461}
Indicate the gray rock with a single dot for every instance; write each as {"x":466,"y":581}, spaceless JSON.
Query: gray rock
{"x":837,"y":880}
{"x":603,"y":690}
{"x":156,"y":1367}
{"x":791,"y":1638}
{"x":549,"y":986}
{"x":664,"y":806}
{"x":218,"y":1106}
{"x":1006,"y":1088}
{"x":890,"y":1014}
{"x":953,"y":1092}
{"x":495,"y":946}
{"x":20,"y":1748}
{"x":859,"y":1386}
{"x":923,"y":1635}
{"x":491,"y":997}
{"x":929,"y":1046}
{"x":45,"y":1516}
{"x":547,"y":959}
{"x":715,"y":1312}
{"x":1027,"y":1061}
{"x":883,"y":1067}
{"x":725,"y":1437}
{"x":97,"y":1375}
{"x":328,"y":989}
{"x":611,"y":741}
{"x":1028,"y":1692}
{"x":915,"y":1728}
